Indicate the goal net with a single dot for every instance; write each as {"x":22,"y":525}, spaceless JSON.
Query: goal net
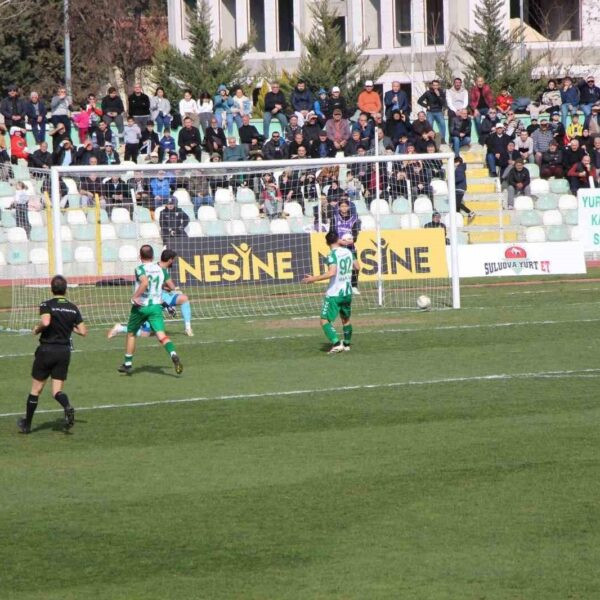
{"x":246,"y":233}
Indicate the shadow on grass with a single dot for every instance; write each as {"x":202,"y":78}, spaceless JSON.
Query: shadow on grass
{"x":156,"y":370}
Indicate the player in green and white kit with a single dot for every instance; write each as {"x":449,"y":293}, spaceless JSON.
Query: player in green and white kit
{"x":147,"y":306}
{"x":338,"y":298}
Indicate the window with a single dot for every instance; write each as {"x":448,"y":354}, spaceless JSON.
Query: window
{"x":285,"y":25}
{"x":372,"y":22}
{"x":434,"y":22}
{"x":340,"y":24}
{"x":257,"y":24}
{"x":189,"y":9}
{"x":557,"y":20}
{"x":228,"y":28}
{"x":403,"y":24}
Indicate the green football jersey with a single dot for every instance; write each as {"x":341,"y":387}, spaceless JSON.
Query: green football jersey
{"x":341,"y":283}
{"x":156,"y":279}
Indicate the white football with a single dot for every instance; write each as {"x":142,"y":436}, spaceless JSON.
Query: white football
{"x":424,"y":302}
{"x":347,"y":237}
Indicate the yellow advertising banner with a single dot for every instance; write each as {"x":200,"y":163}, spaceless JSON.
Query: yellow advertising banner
{"x":405,"y":254}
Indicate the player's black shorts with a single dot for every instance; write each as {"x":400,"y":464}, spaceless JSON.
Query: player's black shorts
{"x":51,"y":360}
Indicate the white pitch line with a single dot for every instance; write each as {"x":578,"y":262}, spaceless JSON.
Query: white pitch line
{"x":344,"y":388}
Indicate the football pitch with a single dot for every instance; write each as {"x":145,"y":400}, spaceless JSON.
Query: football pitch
{"x":449,"y":455}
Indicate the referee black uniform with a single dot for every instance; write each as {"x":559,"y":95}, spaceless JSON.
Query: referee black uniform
{"x":53,"y":355}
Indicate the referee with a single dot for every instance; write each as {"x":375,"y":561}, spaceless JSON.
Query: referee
{"x":58,"y":319}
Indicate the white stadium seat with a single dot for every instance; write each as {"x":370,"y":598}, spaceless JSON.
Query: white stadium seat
{"x":280,"y":226}
{"x":194,"y":229}
{"x":157,"y":213}
{"x":439,"y":187}
{"x":120,"y":215}
{"x":35,"y":218}
{"x":523,"y":203}
{"x":84,"y":254}
{"x":128,"y":254}
{"x":379,"y":206}
{"x":76,"y":217}
{"x":552,"y":217}
{"x":535,"y":235}
{"x":38,"y":256}
{"x":409,"y":221}
{"x":367,"y":223}
{"x":149,"y":231}
{"x":235,"y":227}
{"x":107,"y":232}
{"x":539,"y":186}
{"x":183,"y":197}
{"x":223,"y":196}
{"x":245,"y":195}
{"x":66,"y":234}
{"x":15,"y":235}
{"x":293,"y":209}
{"x":460,"y":220}
{"x":423,"y":205}
{"x":567,"y":202}
{"x":249,"y":211}
{"x":71,"y":185}
{"x":207,"y":213}
{"x":2,"y":259}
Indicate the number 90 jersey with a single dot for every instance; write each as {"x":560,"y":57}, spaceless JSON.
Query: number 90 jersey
{"x":341,"y":283}
{"x":156,"y":278}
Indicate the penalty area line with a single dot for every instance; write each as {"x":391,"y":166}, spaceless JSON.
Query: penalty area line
{"x":329,"y":390}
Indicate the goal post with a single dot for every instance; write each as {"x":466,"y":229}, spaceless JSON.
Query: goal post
{"x":246,"y":233}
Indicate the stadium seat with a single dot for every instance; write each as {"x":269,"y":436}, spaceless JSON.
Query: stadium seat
{"x":235,"y":227}
{"x":35,"y":218}
{"x":66,"y":235}
{"x":557,"y":233}
{"x":546,"y":201}
{"x":142,"y":215}
{"x":297,"y":225}
{"x":120,"y":215}
{"x":127,"y":231}
{"x":367,"y":223}
{"x":523,"y":203}
{"x":439,"y":187}
{"x":38,"y":256}
{"x":293,"y":209}
{"x":76,"y":217}
{"x":568,"y":202}
{"x":571,"y":217}
{"x":8,"y":219}
{"x":15,"y":235}
{"x":71,"y":185}
{"x":249,"y":211}
{"x":559,"y":186}
{"x":21,"y":173}
{"x":534,"y":172}
{"x":441,"y":204}
{"x":91,"y":216}
{"x":245,"y":195}
{"x":529,"y":218}
{"x":2,"y":235}
{"x":157,"y":213}
{"x":575,"y":233}
{"x":539,"y":186}
{"x":16,"y":256}
{"x":149,"y":231}
{"x":223,"y":196}
{"x":535,"y":235}
{"x":463,"y":237}
{"x":379,"y":206}
{"x":128,"y":254}
{"x":390,"y":221}
{"x":460,"y":220}
{"x":189,"y":211}
{"x":194,"y":229}
{"x":38,"y":234}
{"x":423,"y":205}
{"x":401,"y":206}
{"x":410,"y":221}
{"x":213,"y":228}
{"x":73,"y":200}
{"x":6,"y":190}
{"x":183,"y":197}
{"x":227,"y":212}
{"x":84,"y":233}
{"x":84,"y":254}
{"x":279,"y":226}
{"x":552,"y":217}
{"x":361,"y":207}
{"x":110,"y":253}
{"x":2,"y":259}
{"x":207,"y":213}
{"x":6,"y":202}
{"x":257,"y":226}
{"x":67,"y":253}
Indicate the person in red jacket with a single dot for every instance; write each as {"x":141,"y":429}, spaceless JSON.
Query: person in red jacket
{"x":579,"y":174}
{"x":481,"y":99}
{"x":18,"y":145}
{"x":504,"y":101}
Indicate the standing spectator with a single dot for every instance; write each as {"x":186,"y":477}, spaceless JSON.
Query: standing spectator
{"x":569,"y":96}
{"x":369,"y":100}
{"x":101,"y":134}
{"x":35,"y":109}
{"x":112,"y":110}
{"x":338,"y":130}
{"x":551,"y":98}
{"x":524,"y":145}
{"x":396,"y":99}
{"x":139,"y":106}
{"x":20,"y":204}
{"x":60,"y":107}
{"x":335,"y":100}
{"x":160,"y":110}
{"x":13,"y":109}
{"x":223,"y":108}
{"x":518,"y":181}
{"x":214,"y":138}
{"x":504,"y":101}
{"x":589,"y":94}
{"x":234,"y":151}
{"x":242,"y":107}
{"x":173,"y":221}
{"x":275,"y":106}
{"x":481,"y":99}
{"x":205,"y":110}
{"x":108,"y":156}
{"x":460,"y":184}
{"x":276,"y":148}
{"x":434,"y":100}
{"x":457,"y":97}
{"x":323,"y":147}
{"x":248,"y":132}
{"x":41,"y":158}
{"x":460,"y":131}
{"x":82,"y":122}
{"x":271,"y":203}
{"x":93,"y":110}
{"x":188,"y":108}
{"x":302,"y":101}
{"x":189,"y":141}
{"x":149,"y":142}
{"x":552,"y":162}
{"x":497,"y":145}
{"x":581,"y":175}
{"x":541,"y":140}
{"x":132,"y":135}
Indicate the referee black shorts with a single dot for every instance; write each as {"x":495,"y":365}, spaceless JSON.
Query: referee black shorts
{"x":51,"y":360}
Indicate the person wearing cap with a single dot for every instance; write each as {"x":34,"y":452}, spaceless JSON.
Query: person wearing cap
{"x":436,"y":223}
{"x":336,"y":100}
{"x":321,"y":106}
{"x":496,"y":155}
{"x":323,"y":147}
{"x":223,"y":108}
{"x":276,"y":148}
{"x":311,"y":128}
{"x":533,"y":125}
{"x":552,"y":161}
{"x":434,"y":101}
{"x":275,"y":105}
{"x":173,"y":221}
{"x":108,"y":156}
{"x":13,"y":109}
{"x":589,"y":94}
{"x":518,"y":181}
{"x":369,"y":100}
{"x":302,"y":101}
{"x":396,"y":100}
{"x":338,"y":129}
{"x":541,"y":140}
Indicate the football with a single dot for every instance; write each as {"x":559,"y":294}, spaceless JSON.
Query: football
{"x":424,"y":302}
{"x":347,"y":237}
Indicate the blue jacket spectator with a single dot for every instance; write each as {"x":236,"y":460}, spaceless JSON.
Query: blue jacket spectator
{"x":321,"y":105}
{"x":396,"y":99}
{"x":589,"y":94}
{"x":222,"y":105}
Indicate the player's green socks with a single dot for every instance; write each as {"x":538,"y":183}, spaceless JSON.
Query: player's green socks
{"x":128,"y":360}
{"x":329,"y":331}
{"x":347,"y":333}
{"x":170,"y":347}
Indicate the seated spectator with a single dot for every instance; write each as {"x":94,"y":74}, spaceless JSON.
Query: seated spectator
{"x":351,"y":148}
{"x":254,"y":148}
{"x":422,"y":142}
{"x":524,"y":145}
{"x":18,"y":145}
{"x":551,"y":99}
{"x":85,"y":152}
{"x":552,"y":162}
{"x":64,"y":154}
{"x":275,"y":105}
{"x":223,"y":108}
{"x":572,"y":154}
{"x":248,"y":132}
{"x":504,"y":101}
{"x":116,"y":193}
{"x":436,"y":223}
{"x":189,"y":140}
{"x":460,"y":131}
{"x":513,"y":125}
{"x":13,"y":109}
{"x":302,"y":102}
{"x":290,"y":187}
{"x":323,"y":147}
{"x":166,"y":145}
{"x":582,"y":174}
{"x":518,"y":181}
{"x":421,"y":126}
{"x":595,"y":154}
{"x":322,"y":214}
{"x":589,"y":94}
{"x":112,"y":110}
{"x":396,"y":100}
{"x":298,"y":142}
{"x":41,"y":158}
{"x":291,"y":129}
{"x":434,"y":166}
{"x":533,"y":126}
{"x":173,"y":221}
{"x":488,"y":125}
{"x":368,"y":100}
{"x":188,"y":108}
{"x":594,"y":125}
{"x":149,"y":142}
{"x":397,"y":126}
{"x":335,"y":100}
{"x":160,"y":110}
{"x":275,"y":148}
{"x":234,"y":151}
{"x":352,"y":189}
{"x":270,"y":202}
{"x":496,"y":156}
{"x":321,"y":106}
{"x":214,"y":138}
{"x":242,"y":106}
{"x":338,"y":130}
{"x":198,"y":187}
{"x":586,"y":141}
{"x":311,"y":128}
{"x":365,"y":127}
{"x":419,"y":179}
{"x":383,"y":142}
{"x":139,"y":188}
{"x":35,"y":109}
{"x":205,"y":110}
{"x":512,"y":154}
{"x":557,"y":129}
{"x":161,"y":188}
{"x":108,"y":156}
{"x":541,"y":140}
{"x":91,"y":188}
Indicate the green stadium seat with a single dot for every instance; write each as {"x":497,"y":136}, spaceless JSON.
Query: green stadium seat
{"x":401,"y":206}
{"x":84,"y":233}
{"x":127,"y":231}
{"x":390,"y":222}
{"x":8,"y":219}
{"x":361,"y":207}
{"x":67,"y":253}
{"x":463,"y":237}
{"x":529,"y":218}
{"x":16,"y":256}
{"x":559,"y":186}
{"x":142,"y":215}
{"x":546,"y":202}
{"x":6,"y":190}
{"x":557,"y":233}
{"x":74,"y":200}
{"x":213,"y":228}
{"x":228,"y":212}
{"x":91,"y":217}
{"x":257,"y":226}
{"x":110,"y":253}
{"x":38,"y":234}
{"x":571,"y":217}
{"x":441,"y":204}
{"x":534,"y":170}
{"x":2,"y":235}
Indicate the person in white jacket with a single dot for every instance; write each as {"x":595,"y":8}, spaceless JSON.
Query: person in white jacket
{"x":160,"y":110}
{"x":457,"y":98}
{"x":242,"y":105}
{"x":205,"y":110}
{"x":188,"y":107}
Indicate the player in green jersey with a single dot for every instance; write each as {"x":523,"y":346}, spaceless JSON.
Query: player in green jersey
{"x":147,"y":306}
{"x":338,"y":298}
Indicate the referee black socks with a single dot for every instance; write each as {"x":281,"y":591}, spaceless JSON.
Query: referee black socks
{"x":62,"y":399}
{"x":32,"y":402}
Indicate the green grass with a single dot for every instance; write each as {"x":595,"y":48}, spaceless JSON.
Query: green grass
{"x":434,"y":483}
